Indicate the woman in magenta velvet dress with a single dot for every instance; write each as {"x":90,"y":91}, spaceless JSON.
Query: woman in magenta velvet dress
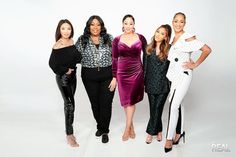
{"x":128,"y":70}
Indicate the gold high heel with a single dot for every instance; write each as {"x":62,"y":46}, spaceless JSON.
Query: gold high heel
{"x":132,"y":133}
{"x":125,"y":136}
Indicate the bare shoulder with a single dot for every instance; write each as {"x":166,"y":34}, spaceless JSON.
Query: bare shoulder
{"x":71,"y":42}
{"x":190,"y":39}
{"x":58,"y":45}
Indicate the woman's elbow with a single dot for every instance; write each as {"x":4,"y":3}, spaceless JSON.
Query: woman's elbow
{"x":206,"y":49}
{"x":209,"y":50}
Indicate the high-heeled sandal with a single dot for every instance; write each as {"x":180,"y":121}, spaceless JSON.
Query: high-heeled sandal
{"x":159,"y":137}
{"x":181,"y":135}
{"x":125,"y":136}
{"x":72,"y":141}
{"x":149,"y":139}
{"x":132,"y":133}
{"x":73,"y":137}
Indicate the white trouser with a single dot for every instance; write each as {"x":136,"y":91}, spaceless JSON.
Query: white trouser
{"x":176,"y":99}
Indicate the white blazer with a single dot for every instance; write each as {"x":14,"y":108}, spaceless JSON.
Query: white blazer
{"x":179,"y":53}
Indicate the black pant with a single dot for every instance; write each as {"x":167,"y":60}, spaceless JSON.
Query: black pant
{"x":178,"y":127}
{"x":96,"y":84}
{"x":67,"y":86}
{"x":156,"y":104}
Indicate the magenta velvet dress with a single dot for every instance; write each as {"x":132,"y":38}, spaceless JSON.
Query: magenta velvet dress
{"x":127,"y":68}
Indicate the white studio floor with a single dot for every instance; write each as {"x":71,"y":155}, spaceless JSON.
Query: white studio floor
{"x":32,"y":122}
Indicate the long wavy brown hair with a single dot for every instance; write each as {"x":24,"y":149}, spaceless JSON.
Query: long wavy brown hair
{"x":164,"y":47}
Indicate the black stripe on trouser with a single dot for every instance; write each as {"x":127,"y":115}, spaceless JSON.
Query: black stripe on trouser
{"x":169,"y":113}
{"x":101,"y":102}
{"x":178,"y":127}
{"x":67,"y":87}
{"x":156,"y":104}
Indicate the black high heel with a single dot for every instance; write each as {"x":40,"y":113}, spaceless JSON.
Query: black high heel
{"x":168,"y":149}
{"x":181,"y":135}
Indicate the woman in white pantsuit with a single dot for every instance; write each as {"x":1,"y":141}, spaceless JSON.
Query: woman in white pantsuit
{"x":180,"y":75}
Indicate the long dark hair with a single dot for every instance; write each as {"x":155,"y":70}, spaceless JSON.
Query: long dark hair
{"x":58,"y":32}
{"x":103,"y":34}
{"x":164,"y":47}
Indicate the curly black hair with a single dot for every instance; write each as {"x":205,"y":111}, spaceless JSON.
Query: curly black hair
{"x":103,"y":34}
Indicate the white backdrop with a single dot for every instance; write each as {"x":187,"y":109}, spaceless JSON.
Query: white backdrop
{"x":28,"y":28}
{"x":27,"y":31}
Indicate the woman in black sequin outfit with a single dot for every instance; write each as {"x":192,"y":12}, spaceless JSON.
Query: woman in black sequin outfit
{"x":156,"y":83}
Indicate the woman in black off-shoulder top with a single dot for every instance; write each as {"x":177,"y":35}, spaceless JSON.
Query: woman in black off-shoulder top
{"x":63,"y":60}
